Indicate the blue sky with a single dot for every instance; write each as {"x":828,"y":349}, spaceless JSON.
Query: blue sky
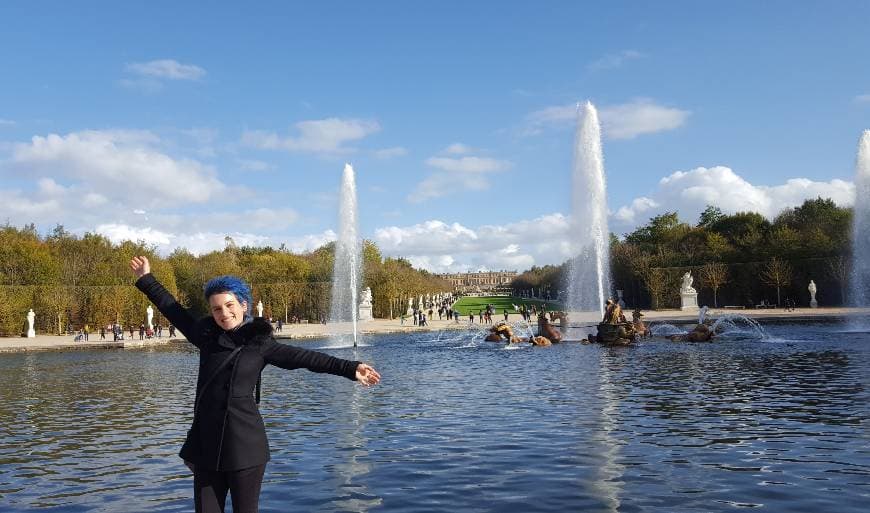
{"x":181,"y":123}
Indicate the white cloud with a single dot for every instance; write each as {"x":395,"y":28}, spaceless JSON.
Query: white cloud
{"x":6,"y":122}
{"x":94,"y":200}
{"x":641,"y":116}
{"x":629,"y":214}
{"x":863,"y":98}
{"x":555,"y":114}
{"x":388,"y":153}
{"x":454,"y":175}
{"x":121,"y":165}
{"x":451,"y":247}
{"x":468,"y":164}
{"x":261,"y":219}
{"x":20,"y":208}
{"x":204,"y":241}
{"x":458,"y":149}
{"x":306,"y":243}
{"x":167,"y":69}
{"x":440,"y":246}
{"x":689,"y":192}
{"x":48,"y":187}
{"x":118,"y":233}
{"x":623,"y":121}
{"x":327,"y":136}
{"x":614,"y":60}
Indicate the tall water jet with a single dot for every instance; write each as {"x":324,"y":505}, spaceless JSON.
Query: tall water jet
{"x":859,"y":295}
{"x":589,"y":274}
{"x":346,"y":273}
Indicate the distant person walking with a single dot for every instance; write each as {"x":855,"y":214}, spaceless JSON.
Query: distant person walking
{"x":226,"y":447}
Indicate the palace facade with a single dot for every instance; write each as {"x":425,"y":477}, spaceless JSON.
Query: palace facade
{"x":493,"y":281}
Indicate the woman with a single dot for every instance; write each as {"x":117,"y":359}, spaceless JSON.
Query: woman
{"x":226,"y":447}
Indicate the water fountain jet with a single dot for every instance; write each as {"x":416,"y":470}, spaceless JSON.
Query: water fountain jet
{"x":347,"y":271}
{"x":860,"y":277}
{"x":589,"y":275}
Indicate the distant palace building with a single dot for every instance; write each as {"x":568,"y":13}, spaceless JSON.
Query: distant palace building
{"x":495,"y":281}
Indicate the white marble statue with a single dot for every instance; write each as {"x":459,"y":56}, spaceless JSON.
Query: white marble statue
{"x":688,"y":295}
{"x":31,"y":318}
{"x":687,"y":283}
{"x":259,"y":308}
{"x":365,"y":305}
{"x":812,"y":288}
{"x":149,"y":312}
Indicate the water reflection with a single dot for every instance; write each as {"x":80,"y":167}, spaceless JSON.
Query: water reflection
{"x":463,"y":425}
{"x":608,"y":482}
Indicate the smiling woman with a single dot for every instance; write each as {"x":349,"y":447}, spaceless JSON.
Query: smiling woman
{"x":226,"y":447}
{"x":229,"y":300}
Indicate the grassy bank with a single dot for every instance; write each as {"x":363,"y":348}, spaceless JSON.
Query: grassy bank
{"x":474,"y":305}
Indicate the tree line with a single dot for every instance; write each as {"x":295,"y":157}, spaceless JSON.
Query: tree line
{"x":71,"y":281}
{"x":741,"y":259}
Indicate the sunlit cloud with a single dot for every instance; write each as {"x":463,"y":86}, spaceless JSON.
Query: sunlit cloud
{"x":624,"y":121}
{"x":167,"y":69}
{"x":689,"y":192}
{"x":325,"y":136}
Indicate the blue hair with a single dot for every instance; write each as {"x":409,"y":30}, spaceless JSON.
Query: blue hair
{"x":229,"y":284}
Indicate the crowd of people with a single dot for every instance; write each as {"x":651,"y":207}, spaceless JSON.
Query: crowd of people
{"x":116,"y":330}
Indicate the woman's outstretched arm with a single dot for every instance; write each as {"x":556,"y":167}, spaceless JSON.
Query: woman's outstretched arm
{"x":162,"y":299}
{"x":292,"y":357}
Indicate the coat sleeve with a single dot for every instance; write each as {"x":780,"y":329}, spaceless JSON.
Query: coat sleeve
{"x":292,"y":357}
{"x":169,"y":306}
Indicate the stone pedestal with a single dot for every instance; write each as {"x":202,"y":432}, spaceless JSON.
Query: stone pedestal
{"x":31,"y":333}
{"x":688,"y":300}
{"x":814,"y":303}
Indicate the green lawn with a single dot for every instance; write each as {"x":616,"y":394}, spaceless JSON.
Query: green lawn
{"x":474,"y":305}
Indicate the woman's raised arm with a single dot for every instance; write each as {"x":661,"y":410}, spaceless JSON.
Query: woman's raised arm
{"x":162,"y":299}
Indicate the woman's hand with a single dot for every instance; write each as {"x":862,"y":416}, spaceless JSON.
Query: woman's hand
{"x":140,"y":266}
{"x":367,"y":375}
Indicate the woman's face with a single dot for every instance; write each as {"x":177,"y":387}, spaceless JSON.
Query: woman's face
{"x":228,"y":313}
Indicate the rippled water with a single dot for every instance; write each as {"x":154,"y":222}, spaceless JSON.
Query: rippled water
{"x":462,"y":425}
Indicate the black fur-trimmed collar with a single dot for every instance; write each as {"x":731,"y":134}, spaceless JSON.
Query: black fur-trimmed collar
{"x":258,"y":327}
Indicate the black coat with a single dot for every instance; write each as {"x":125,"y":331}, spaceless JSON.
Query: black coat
{"x":228,"y":431}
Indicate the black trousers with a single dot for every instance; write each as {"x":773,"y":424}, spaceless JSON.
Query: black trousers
{"x":210,"y":489}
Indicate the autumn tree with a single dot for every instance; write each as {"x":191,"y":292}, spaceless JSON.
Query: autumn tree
{"x":777,"y":273}
{"x":655,"y":279}
{"x":714,"y":275}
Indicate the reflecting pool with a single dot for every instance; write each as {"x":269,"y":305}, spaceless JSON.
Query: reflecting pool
{"x":779,"y":424}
